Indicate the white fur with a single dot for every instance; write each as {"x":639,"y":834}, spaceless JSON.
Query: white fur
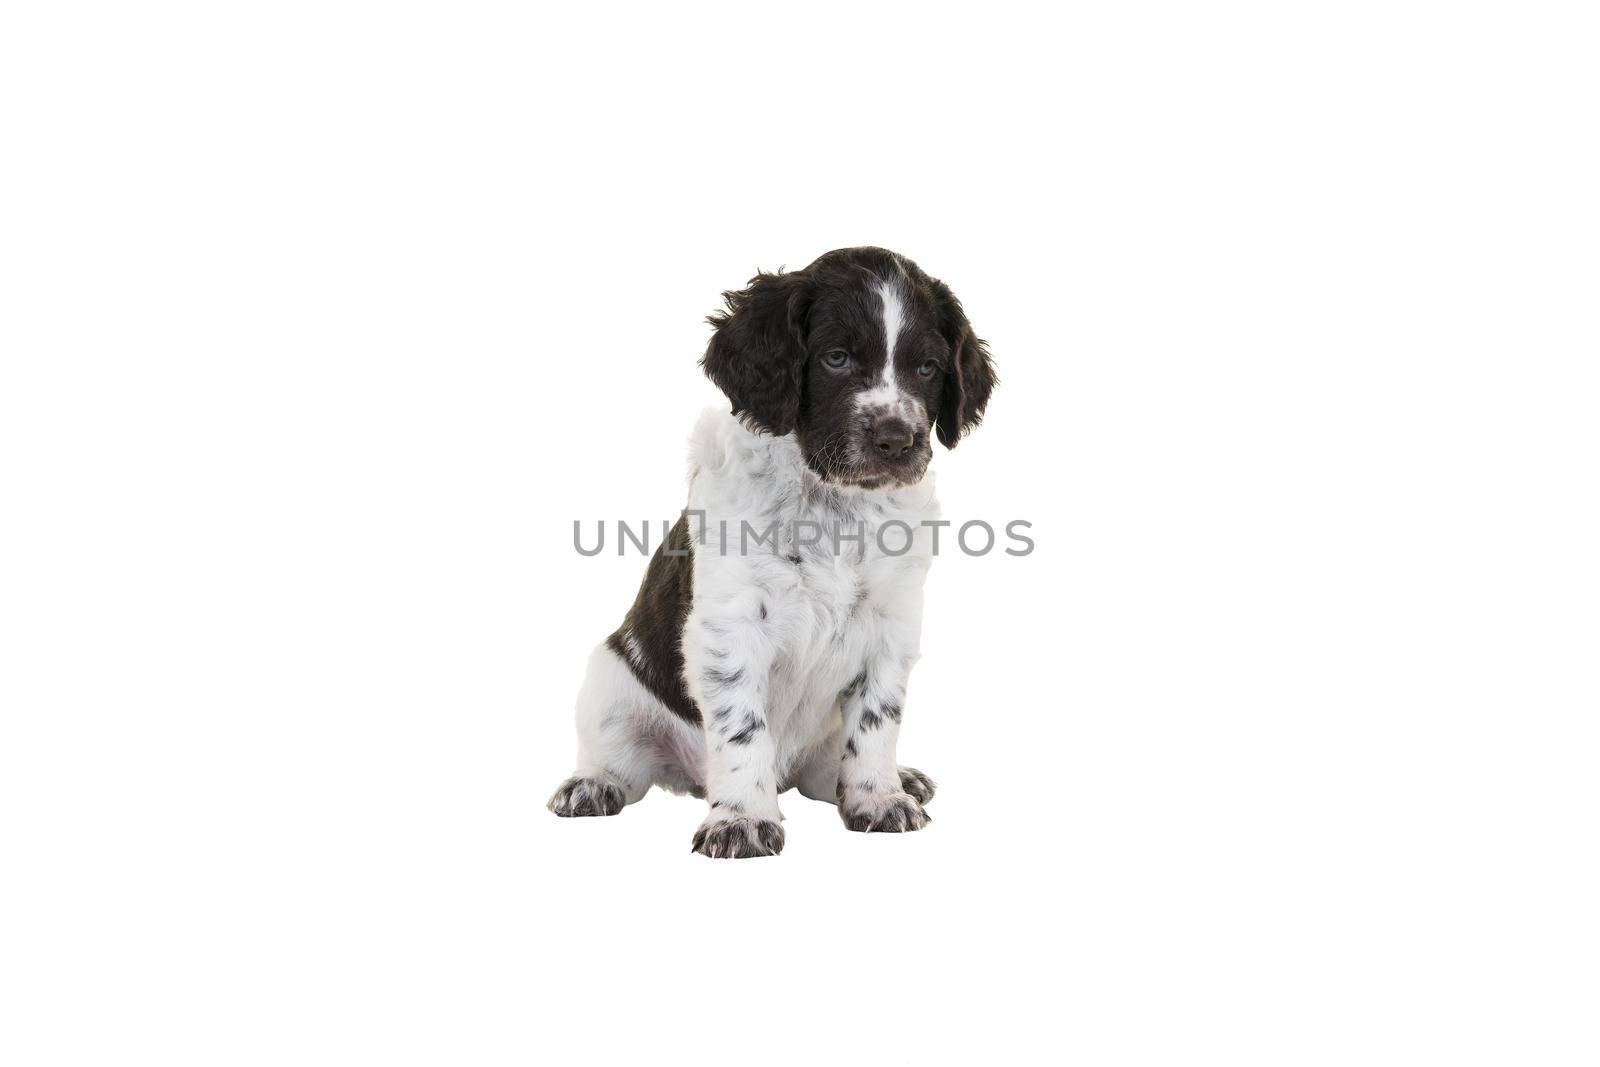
{"x":893,"y":317}
{"x":775,"y":638}
{"x":629,"y":738}
{"x":885,"y":397}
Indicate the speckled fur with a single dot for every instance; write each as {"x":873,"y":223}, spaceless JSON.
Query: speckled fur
{"x":748,"y":666}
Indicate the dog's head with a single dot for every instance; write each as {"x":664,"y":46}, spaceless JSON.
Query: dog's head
{"x":861,"y":356}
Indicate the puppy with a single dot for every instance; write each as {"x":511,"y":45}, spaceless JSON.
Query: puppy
{"x":770,"y":644}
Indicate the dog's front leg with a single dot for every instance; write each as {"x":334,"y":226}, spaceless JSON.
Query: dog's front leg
{"x":872,"y":789}
{"x":728,"y":657}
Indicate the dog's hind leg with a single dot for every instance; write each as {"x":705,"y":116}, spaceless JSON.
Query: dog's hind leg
{"x":627,"y":742}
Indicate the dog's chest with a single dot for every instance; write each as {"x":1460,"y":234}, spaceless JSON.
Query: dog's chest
{"x":839,"y":601}
{"x":829,"y":579}
{"x":841,"y":556}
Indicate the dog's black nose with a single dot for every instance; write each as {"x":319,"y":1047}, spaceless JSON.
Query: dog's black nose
{"x":893,"y":438}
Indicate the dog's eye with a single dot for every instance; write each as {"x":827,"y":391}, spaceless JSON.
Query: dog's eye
{"x":836,"y":359}
{"x":927,"y":367}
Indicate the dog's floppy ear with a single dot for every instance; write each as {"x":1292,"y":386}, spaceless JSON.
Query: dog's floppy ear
{"x":757,"y":353}
{"x":971,"y":377}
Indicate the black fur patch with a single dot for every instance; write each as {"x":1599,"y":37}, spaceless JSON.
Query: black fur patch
{"x":870,"y":720}
{"x":722,"y":678}
{"x":752,"y":726}
{"x":655,"y":624}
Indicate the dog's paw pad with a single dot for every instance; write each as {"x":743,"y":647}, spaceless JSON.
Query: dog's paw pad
{"x":917,"y":785}
{"x":737,"y":839}
{"x":892,"y":813}
{"x":587,"y":796}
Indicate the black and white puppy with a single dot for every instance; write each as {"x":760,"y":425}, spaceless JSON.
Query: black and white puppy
{"x":770,"y":644}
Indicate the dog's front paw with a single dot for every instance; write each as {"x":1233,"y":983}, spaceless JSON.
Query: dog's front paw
{"x":737,"y":839}
{"x":917,"y":785}
{"x":882,"y":813}
{"x":587,"y":796}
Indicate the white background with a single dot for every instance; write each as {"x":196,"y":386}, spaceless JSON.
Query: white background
{"x":323,"y":322}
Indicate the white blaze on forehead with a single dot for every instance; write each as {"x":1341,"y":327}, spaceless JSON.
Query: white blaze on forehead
{"x":885,"y":394}
{"x":893,"y":319}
